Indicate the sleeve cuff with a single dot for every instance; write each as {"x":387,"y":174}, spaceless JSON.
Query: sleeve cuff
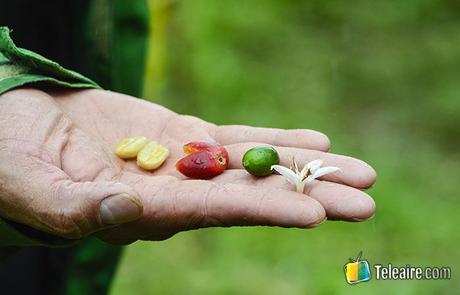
{"x":19,"y":235}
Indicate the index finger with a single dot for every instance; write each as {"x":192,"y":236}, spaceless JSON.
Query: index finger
{"x":353,"y":172}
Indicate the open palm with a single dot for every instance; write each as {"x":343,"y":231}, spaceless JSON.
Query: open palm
{"x":65,"y":141}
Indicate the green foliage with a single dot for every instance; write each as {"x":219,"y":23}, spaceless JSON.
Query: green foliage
{"x":381,"y":78}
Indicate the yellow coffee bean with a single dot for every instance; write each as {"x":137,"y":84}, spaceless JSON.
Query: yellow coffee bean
{"x":129,"y":147}
{"x":152,"y":156}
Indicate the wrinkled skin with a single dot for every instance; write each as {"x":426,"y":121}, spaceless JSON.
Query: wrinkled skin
{"x":57,"y":165}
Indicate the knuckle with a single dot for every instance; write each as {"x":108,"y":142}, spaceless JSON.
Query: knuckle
{"x":190,"y":216}
{"x":67,"y":219}
{"x":214,"y":213}
{"x":68,"y":225}
{"x":205,"y":216}
{"x":197,"y":211}
{"x":69,"y":233}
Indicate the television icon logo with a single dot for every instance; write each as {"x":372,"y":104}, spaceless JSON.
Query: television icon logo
{"x":357,"y":270}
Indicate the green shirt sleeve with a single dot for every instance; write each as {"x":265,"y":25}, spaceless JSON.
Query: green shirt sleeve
{"x":19,"y":67}
{"x":13,"y":234}
{"x":11,"y":237}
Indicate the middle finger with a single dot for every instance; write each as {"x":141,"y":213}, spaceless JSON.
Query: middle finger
{"x":353,"y":172}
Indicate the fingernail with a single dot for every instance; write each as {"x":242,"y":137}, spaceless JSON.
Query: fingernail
{"x":119,"y":209}
{"x":319,"y":223}
{"x":363,"y":219}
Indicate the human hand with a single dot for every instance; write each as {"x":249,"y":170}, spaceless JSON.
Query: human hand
{"x":59,"y":173}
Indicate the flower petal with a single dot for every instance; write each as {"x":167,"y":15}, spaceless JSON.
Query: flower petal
{"x":314,"y":165}
{"x":286,"y":172}
{"x":323,"y":171}
{"x":304,"y":171}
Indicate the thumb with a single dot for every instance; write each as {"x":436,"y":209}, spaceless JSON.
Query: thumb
{"x":86,"y":207}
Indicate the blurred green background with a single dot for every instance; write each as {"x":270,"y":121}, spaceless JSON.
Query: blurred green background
{"x":381,"y":78}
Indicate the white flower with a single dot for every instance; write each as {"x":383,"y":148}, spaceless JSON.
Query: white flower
{"x":310,"y":172}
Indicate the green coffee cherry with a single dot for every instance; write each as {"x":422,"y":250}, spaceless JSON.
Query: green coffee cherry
{"x":258,"y":160}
